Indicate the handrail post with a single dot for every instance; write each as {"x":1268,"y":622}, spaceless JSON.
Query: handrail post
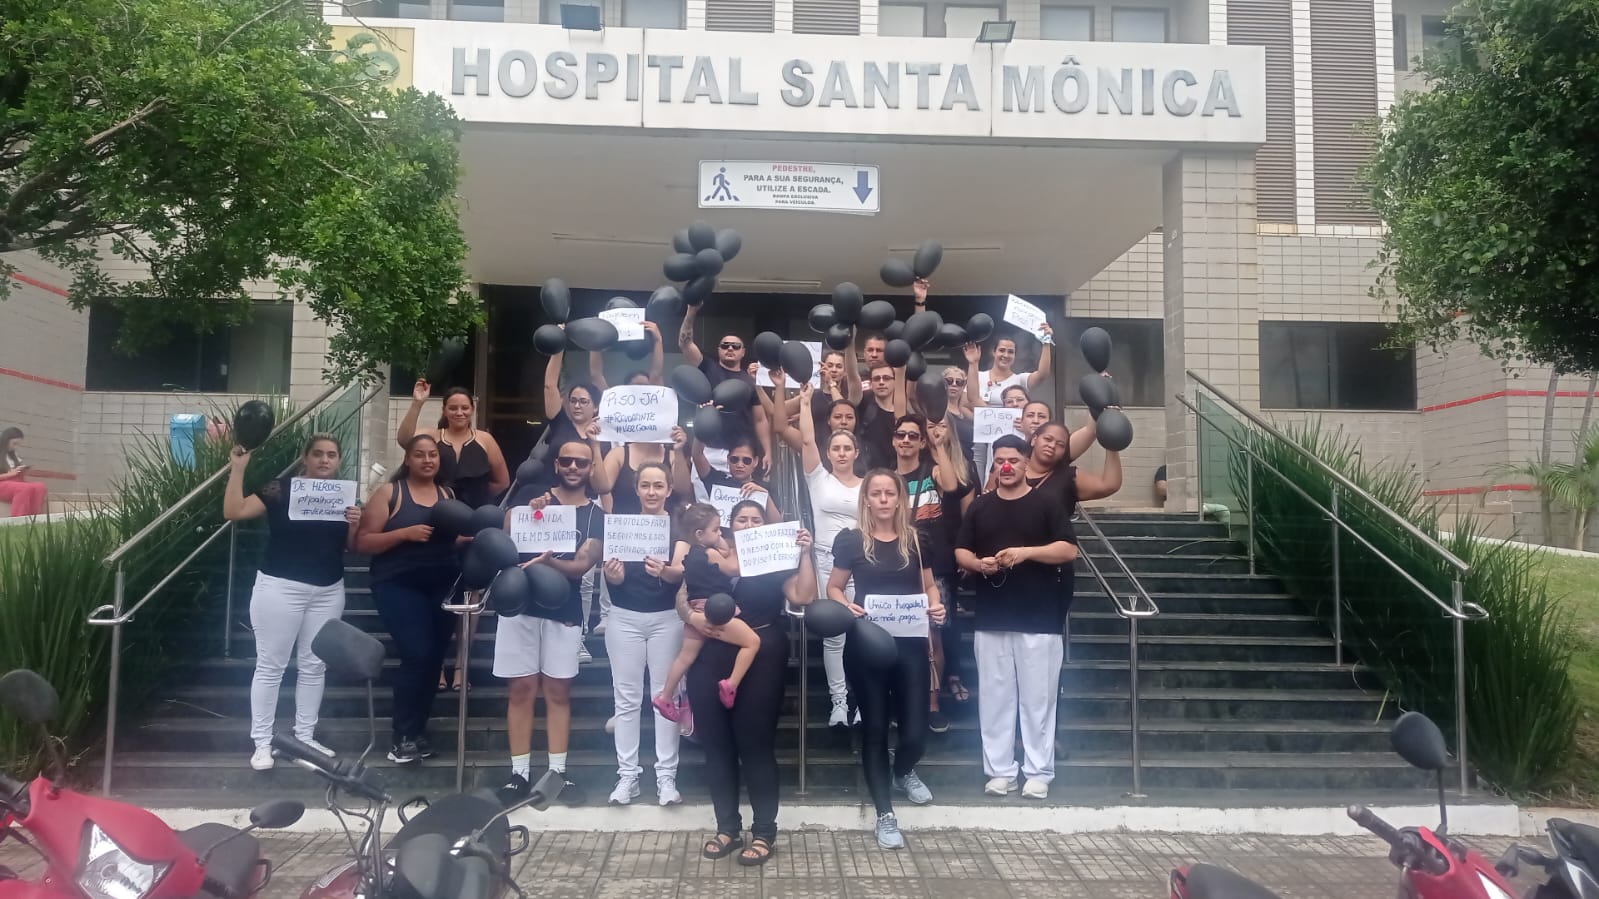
{"x":1338,"y":584}
{"x":1249,"y":500}
{"x":804,"y":705}
{"x":227,"y":606}
{"x":115,"y":685}
{"x":1458,"y":589}
{"x":1132,"y":692}
{"x":1199,"y":464}
{"x":463,"y":652}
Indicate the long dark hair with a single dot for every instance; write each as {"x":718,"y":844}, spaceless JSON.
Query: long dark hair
{"x":444,"y":421}
{"x":6,"y":438}
{"x":403,"y":472}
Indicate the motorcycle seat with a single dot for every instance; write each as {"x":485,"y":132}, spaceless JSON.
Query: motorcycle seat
{"x":1584,"y":839}
{"x":233,"y":866}
{"x":1211,"y":882}
{"x":456,"y":816}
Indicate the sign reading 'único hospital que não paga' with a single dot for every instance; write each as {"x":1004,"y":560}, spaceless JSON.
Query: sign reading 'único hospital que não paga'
{"x":827,"y":84}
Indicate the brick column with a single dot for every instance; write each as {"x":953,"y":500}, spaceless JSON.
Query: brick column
{"x":1212,"y":295}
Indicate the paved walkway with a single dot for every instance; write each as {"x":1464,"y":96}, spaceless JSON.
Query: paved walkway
{"x":940,"y":865}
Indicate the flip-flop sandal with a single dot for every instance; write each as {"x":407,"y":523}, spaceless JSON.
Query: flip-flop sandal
{"x":764,"y":850}
{"x":714,"y":847}
{"x":958,"y":690}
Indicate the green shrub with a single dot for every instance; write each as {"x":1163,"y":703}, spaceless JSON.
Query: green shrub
{"x":1521,"y":708}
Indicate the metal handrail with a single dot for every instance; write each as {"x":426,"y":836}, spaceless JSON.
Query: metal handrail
{"x":1150,"y":609}
{"x":1405,"y":524}
{"x":127,"y":546}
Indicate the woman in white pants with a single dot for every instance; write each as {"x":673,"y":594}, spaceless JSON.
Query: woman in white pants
{"x":298,"y":588}
{"x":835,"y":504}
{"x":643,"y":631}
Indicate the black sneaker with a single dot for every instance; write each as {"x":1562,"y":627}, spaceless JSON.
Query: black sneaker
{"x":936,"y":722}
{"x":514,"y":790}
{"x":425,"y":746}
{"x":405,"y":752}
{"x":571,"y":793}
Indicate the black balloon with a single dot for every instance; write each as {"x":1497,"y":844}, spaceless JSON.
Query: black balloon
{"x":699,"y":290}
{"x":876,"y":315}
{"x":838,"y":336}
{"x":921,"y":328}
{"x":821,"y":317}
{"x":734,"y":394}
{"x":592,"y":334}
{"x":1114,"y":397}
{"x":768,"y":346}
{"x":556,"y":300}
{"x":826,"y":618}
{"x":933,"y":395}
{"x":950,"y":336}
{"x":979,"y":327}
{"x":529,"y":470}
{"x":915,"y":366}
{"x":620,"y":303}
{"x":550,"y":589}
{"x":1114,"y":430}
{"x":897,"y":353}
{"x":872,"y":646}
{"x":796,"y":359}
{"x":450,"y":519}
{"x":691,"y":384}
{"x":510,"y":593}
{"x":1095,"y":391}
{"x":928,"y":255}
{"x":680,"y":241}
{"x":638,"y":349}
{"x":720,"y":608}
{"x":728,"y":243}
{"x":894,"y":331}
{"x":487,"y":515}
{"x":680,"y":267}
{"x":665,"y":304}
{"x":252,"y":424}
{"x":446,"y":358}
{"x":701,"y":236}
{"x":708,"y":262}
{"x":708,"y":426}
{"x":549,"y":339}
{"x":847,"y":302}
{"x":1095,"y":344}
{"x":896,"y":273}
{"x":491,"y":551}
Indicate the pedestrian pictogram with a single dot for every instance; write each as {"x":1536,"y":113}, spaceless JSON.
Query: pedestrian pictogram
{"x":723,"y":191}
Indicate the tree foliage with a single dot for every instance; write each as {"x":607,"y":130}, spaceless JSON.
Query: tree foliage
{"x":1489,"y":186}
{"x":210,"y":145}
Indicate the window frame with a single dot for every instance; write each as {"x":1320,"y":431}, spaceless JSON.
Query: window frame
{"x":1332,"y":333}
{"x":1072,"y":366}
{"x":550,"y":10}
{"x":1401,"y":43}
{"x":208,"y":357}
{"x":682,"y":17}
{"x":1092,"y":20}
{"x":1165,"y":22}
{"x":920,"y":7}
{"x":946,"y":7}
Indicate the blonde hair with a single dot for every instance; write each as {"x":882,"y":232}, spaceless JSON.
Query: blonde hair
{"x":907,"y":543}
{"x":947,"y":453}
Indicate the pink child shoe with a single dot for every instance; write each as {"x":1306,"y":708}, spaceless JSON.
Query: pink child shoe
{"x":727,"y":691}
{"x":667,"y":708}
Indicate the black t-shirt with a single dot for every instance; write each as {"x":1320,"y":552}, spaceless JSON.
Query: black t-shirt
{"x":590,"y":520}
{"x":875,"y":425}
{"x":703,"y":577}
{"x":1031,"y":598}
{"x":964,"y":434}
{"x":884,"y":575}
{"x":716,"y":374}
{"x":307,"y":552}
{"x":1061,"y":487}
{"x":760,"y":599}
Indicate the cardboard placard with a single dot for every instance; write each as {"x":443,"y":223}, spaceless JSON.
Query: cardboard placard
{"x":989,"y":423}
{"x":725,"y":498}
{"x":767,"y":549}
{"x":901,"y":616}
{"x":629,"y":322}
{"x":314,"y":499}
{"x":554,"y":530}
{"x":637,"y":413}
{"x":1024,"y":315}
{"x":632,"y":538}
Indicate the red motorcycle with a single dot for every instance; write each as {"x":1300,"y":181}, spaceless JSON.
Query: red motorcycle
{"x":97,"y":848}
{"x":1432,"y":865}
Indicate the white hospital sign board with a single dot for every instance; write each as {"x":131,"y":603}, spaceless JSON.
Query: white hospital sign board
{"x":814,"y":186}
{"x":829,"y":84}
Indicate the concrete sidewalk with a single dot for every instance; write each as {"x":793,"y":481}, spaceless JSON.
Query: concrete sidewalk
{"x":936,"y":865}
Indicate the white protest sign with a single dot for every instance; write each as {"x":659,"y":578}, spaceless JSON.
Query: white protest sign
{"x":989,"y":423}
{"x":901,"y":616}
{"x":552,"y":529}
{"x":725,"y":498}
{"x":313,"y":499}
{"x":1024,"y":315}
{"x":717,"y":457}
{"x":629,"y":322}
{"x":763,"y":375}
{"x":630,"y":538}
{"x":766,"y":549}
{"x":638,"y":413}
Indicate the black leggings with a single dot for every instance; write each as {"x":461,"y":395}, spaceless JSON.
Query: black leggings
{"x":742,"y":741}
{"x":409,"y":609}
{"x":900,"y":692}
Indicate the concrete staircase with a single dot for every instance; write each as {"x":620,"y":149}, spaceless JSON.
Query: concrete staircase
{"x":1239,"y":692}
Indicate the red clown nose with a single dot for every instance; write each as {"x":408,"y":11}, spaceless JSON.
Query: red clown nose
{"x":1007,"y":468}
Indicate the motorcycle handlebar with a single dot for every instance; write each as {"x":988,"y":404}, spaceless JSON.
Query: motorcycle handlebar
{"x":1405,"y":844}
{"x":295,"y":749}
{"x":349,"y":775}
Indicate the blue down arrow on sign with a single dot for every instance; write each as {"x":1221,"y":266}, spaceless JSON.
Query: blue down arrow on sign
{"x":863,"y":187}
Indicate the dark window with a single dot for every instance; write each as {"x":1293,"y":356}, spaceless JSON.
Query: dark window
{"x":1137,"y":358}
{"x":550,"y":13}
{"x":247,"y":358}
{"x":1401,"y":54}
{"x":1335,"y":365}
{"x":401,"y":380}
{"x":1439,"y":35}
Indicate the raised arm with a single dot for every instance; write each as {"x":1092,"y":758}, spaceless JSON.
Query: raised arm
{"x":974,"y":391}
{"x":597,"y":371}
{"x":682,"y":484}
{"x":852,"y":379}
{"x":810,"y":453}
{"x":800,"y":590}
{"x":419,"y":395}
{"x":1106,"y":483}
{"x":235,"y":505}
{"x":900,"y":402}
{"x":552,"y":386}
{"x":1080,"y":441}
{"x":499,"y":473}
{"x":785,"y":429}
{"x":657,"y":370}
{"x":685,"y":339}
{"x":1044,"y":359}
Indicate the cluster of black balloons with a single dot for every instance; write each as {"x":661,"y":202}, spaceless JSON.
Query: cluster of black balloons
{"x":593,"y":334}
{"x":718,"y":410}
{"x":490,"y":562}
{"x":868,"y":642}
{"x":700,"y":253}
{"x":899,"y":273}
{"x":1114,"y":430}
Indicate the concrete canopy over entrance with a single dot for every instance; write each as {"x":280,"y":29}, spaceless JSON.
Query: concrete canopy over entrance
{"x":598,"y":209}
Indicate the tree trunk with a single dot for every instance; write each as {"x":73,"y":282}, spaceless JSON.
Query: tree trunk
{"x":1587,"y":416}
{"x":1546,"y":455}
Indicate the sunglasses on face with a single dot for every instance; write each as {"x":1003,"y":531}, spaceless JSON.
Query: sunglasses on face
{"x":573,"y":462}
{"x":907,"y":435}
{"x":732,"y":346}
{"x":955,"y":382}
{"x":741,"y":460}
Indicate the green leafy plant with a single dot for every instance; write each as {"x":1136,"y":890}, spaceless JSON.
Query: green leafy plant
{"x":1574,"y":485}
{"x":1522,"y":710}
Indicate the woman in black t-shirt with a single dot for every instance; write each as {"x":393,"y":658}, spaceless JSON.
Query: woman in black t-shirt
{"x":884,"y":556}
{"x":299,"y":587}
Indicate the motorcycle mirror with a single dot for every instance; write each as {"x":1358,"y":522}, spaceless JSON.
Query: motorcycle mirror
{"x":1420,"y":742}
{"x":28,"y":697}
{"x":348,"y":650}
{"x":277,"y":814}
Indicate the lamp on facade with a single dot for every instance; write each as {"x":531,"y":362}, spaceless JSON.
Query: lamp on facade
{"x":580,"y":17}
{"x":998,"y":32}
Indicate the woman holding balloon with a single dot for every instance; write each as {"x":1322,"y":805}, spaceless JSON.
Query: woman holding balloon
{"x":834,"y":490}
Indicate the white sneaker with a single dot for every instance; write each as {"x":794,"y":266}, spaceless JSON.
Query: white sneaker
{"x":839,"y":717}
{"x":666,"y":789}
{"x":261,"y":759}
{"x":888,"y":834}
{"x":583,"y":655}
{"x":610,"y":725}
{"x":1000,"y":786}
{"x":319,"y":748}
{"x":626,"y":790}
{"x":1035,"y":789}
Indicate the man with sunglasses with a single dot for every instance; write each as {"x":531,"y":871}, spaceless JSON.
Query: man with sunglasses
{"x":539,"y":655}
{"x":729,"y":363}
